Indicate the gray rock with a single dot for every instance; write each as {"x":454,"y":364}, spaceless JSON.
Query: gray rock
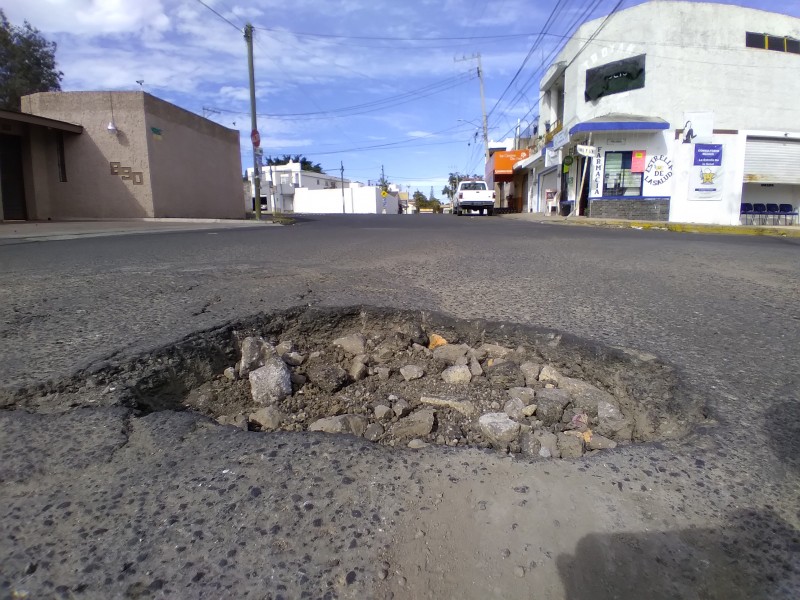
{"x":418,"y":424}
{"x":416,"y":444}
{"x":230,"y":373}
{"x":529,"y":410}
{"x":383,"y":373}
{"x":612,"y":423}
{"x":284,"y":347}
{"x":551,"y":404}
{"x":465,"y":407}
{"x":255,"y":351}
{"x":383,"y":412}
{"x":373,"y":432}
{"x":420,"y":349}
{"x":401,"y":407}
{"x":498,"y":429}
{"x":450,"y":353}
{"x":352,"y":344}
{"x":519,"y":571}
{"x":548,"y":441}
{"x":584,"y":395}
{"x":239,"y":420}
{"x":414,"y":333}
{"x":494,"y":351}
{"x":529,"y":444}
{"x":270,"y":383}
{"x":599,"y":442}
{"x":457,"y":375}
{"x":268,"y":418}
{"x":570,"y":444}
{"x":530,"y":370}
{"x":513,"y":408}
{"x":524,"y":394}
{"x":391,"y":346}
{"x":411,"y":372}
{"x":299,"y":379}
{"x":327,"y":377}
{"x":504,"y":373}
{"x":549,"y":375}
{"x":361,"y":358}
{"x":358,"y":370}
{"x":463,"y":361}
{"x":355,"y":424}
{"x":475,"y":367}
{"x":294,"y":359}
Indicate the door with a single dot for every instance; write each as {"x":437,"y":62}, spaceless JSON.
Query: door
{"x":12,"y":187}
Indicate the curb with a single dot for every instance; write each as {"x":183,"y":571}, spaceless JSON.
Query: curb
{"x":676,"y":227}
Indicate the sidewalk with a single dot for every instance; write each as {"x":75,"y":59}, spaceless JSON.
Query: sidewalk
{"x":772,"y":230}
{"x":21,"y":232}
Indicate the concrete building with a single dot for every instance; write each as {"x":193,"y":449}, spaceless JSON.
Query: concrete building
{"x":670,"y":110}
{"x":115,"y":155}
{"x":279,"y":182}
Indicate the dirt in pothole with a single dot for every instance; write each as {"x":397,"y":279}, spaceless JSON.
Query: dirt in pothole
{"x":401,"y":378}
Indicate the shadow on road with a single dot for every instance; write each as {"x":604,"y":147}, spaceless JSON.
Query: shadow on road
{"x":754,"y":556}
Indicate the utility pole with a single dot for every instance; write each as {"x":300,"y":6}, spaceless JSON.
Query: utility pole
{"x":483,"y":102}
{"x":344,"y":210}
{"x":254,"y":136}
{"x":383,"y":177}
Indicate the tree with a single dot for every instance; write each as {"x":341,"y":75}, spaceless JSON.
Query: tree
{"x":422,"y":202}
{"x":305,"y":163}
{"x":27,"y":63}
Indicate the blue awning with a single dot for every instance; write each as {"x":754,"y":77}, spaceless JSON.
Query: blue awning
{"x":620,"y":122}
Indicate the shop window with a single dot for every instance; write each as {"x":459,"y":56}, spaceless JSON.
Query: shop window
{"x":615,"y":77}
{"x":618,"y":179}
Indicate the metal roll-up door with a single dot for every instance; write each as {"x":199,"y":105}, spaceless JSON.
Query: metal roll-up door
{"x":770,"y":160}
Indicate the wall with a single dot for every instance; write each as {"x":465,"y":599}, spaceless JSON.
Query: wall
{"x":195,"y":164}
{"x":91,"y":189}
{"x":653,"y":209}
{"x":360,"y":200}
{"x":724,"y":211}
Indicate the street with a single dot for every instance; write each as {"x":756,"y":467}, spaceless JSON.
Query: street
{"x":98,"y":505}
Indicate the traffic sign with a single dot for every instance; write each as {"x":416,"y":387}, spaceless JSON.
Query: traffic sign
{"x":255,"y":137}
{"x":384,"y":193}
{"x":590,"y":151}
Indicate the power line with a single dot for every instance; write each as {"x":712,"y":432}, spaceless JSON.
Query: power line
{"x":236,"y":27}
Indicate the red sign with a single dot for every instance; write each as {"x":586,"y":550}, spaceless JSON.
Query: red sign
{"x":255,"y":137}
{"x":637,"y":161}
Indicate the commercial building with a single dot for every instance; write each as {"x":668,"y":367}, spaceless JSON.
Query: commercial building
{"x":115,"y":155}
{"x":680,"y":111}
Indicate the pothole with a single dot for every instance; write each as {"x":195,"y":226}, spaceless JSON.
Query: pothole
{"x":405,"y":379}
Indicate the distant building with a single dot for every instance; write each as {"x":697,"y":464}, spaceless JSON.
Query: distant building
{"x":279,"y":182}
{"x":115,"y":155}
{"x":669,"y":110}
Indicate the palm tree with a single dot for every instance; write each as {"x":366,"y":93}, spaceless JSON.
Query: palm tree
{"x":305,"y":163}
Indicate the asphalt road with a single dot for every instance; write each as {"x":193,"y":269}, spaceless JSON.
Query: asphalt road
{"x":723,"y":502}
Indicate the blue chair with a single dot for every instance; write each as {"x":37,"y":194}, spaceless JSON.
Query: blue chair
{"x":772,"y":210}
{"x":746,"y":210}
{"x":760,"y":211}
{"x":787,"y":211}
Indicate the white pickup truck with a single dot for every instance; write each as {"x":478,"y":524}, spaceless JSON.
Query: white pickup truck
{"x":473,"y":195}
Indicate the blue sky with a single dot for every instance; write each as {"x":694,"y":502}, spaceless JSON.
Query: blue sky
{"x":365,"y":83}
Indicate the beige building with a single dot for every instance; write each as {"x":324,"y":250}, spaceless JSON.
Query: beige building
{"x":115,"y":155}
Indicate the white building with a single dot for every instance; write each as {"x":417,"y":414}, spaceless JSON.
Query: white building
{"x":279,"y":182}
{"x":690,"y":109}
{"x":355,"y":199}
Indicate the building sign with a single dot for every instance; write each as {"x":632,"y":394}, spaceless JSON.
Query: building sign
{"x":638,"y":161}
{"x":560,"y":139}
{"x":658,"y":170}
{"x":596,"y":190}
{"x":706,"y":175}
{"x":504,"y":160}
{"x":698,"y":127}
{"x":589,"y":151}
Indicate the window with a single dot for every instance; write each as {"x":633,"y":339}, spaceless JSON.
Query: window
{"x":619,"y":180}
{"x":766,"y":41}
{"x":62,"y":162}
{"x":615,"y":77}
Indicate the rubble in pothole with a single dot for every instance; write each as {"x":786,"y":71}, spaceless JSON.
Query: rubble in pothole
{"x":398,"y":378}
{"x":411,"y":387}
